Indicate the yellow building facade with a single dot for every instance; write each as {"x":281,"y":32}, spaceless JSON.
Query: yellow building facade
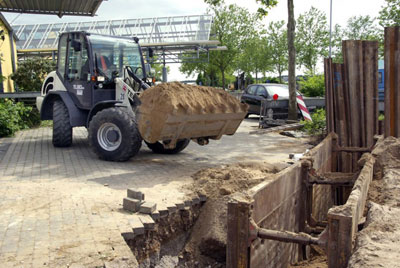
{"x":8,"y":55}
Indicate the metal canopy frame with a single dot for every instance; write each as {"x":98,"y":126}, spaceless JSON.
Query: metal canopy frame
{"x":52,"y":7}
{"x":173,"y":39}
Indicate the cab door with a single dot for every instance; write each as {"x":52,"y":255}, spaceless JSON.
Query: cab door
{"x":78,"y":71}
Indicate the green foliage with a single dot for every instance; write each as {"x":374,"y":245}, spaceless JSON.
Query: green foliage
{"x":265,"y":5}
{"x":31,"y":73}
{"x":233,"y":27}
{"x":312,"y":38}
{"x":390,"y":13}
{"x":14,"y":117}
{"x":318,"y":124}
{"x":277,"y":45}
{"x":314,"y":86}
{"x":255,"y":57}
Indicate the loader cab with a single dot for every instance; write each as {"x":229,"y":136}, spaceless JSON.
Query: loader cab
{"x":89,"y":63}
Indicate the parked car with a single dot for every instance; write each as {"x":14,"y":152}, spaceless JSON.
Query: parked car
{"x":255,"y":94}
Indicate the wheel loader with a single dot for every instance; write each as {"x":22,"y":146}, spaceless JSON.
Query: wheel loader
{"x":98,"y":83}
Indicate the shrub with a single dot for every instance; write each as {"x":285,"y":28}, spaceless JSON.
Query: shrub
{"x":31,"y":73}
{"x":318,"y":124}
{"x":14,"y":117}
{"x":314,"y":86}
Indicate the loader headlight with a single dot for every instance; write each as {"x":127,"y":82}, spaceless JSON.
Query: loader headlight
{"x":100,"y":85}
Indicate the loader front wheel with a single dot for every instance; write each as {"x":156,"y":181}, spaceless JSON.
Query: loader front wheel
{"x":114,"y":136}
{"x":62,"y":129}
{"x":158,"y":147}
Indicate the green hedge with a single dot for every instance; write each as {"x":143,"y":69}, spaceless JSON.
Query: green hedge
{"x":16,"y":116}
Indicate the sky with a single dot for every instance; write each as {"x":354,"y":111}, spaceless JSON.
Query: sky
{"x":123,"y":9}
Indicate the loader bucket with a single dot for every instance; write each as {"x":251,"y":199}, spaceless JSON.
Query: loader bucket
{"x":174,"y":111}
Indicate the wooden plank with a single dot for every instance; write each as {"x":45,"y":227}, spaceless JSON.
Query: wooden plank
{"x":391,"y":46}
{"x":343,"y":220}
{"x":370,"y":75}
{"x":351,"y":56}
{"x":329,"y":95}
{"x":238,"y":234}
{"x":341,"y":127}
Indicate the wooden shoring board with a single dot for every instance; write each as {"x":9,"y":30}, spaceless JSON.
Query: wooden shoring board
{"x":329,"y":95}
{"x":342,"y":115}
{"x":370,"y":76}
{"x":238,"y":234}
{"x":392,"y":85}
{"x":352,"y":56}
{"x":343,"y":220}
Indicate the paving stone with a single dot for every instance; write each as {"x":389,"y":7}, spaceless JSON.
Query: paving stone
{"x":147,"y":207}
{"x":148,"y":222}
{"x":188,"y":203}
{"x":203,"y":198}
{"x":196,"y":200}
{"x":131,"y":193}
{"x":155,"y":215}
{"x":137,"y":225}
{"x":163,"y":212}
{"x":172,"y":209}
{"x":180,"y":206}
{"x":130,"y":204}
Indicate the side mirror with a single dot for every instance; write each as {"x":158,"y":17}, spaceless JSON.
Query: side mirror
{"x":264,"y":96}
{"x":151,"y":52}
{"x":148,"y":69}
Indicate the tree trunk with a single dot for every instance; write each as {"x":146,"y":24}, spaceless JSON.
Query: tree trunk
{"x":256,"y":76}
{"x":292,"y":62}
{"x":280,"y":74}
{"x":223,"y":78}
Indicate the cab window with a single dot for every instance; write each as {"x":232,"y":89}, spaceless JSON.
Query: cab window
{"x":78,"y":60}
{"x":62,"y":48}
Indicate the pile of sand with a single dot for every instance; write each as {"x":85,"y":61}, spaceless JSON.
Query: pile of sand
{"x":378,"y":244}
{"x":175,"y":98}
{"x":207,"y":243}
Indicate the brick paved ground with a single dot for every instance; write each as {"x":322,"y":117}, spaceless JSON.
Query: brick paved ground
{"x":61,"y":207}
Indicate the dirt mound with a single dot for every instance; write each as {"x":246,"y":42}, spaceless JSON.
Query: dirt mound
{"x":218,"y":182}
{"x":207,"y":243}
{"x":175,"y":98}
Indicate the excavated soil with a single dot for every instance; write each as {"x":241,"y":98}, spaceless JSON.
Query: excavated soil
{"x":378,"y":244}
{"x":207,"y":243}
{"x":175,"y":98}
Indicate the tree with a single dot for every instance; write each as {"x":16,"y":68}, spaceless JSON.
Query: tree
{"x":390,"y":14}
{"x":362,"y":28}
{"x":233,"y":26}
{"x":277,"y":45}
{"x":31,"y":73}
{"x":312,"y":38}
{"x":255,"y":57}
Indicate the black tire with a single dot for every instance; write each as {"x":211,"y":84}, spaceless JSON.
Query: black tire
{"x":113,"y":135}
{"x":158,"y":148}
{"x":62,"y":129}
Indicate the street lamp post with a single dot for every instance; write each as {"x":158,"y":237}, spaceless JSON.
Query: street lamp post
{"x":330,"y":33}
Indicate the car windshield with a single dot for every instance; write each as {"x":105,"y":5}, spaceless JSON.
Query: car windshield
{"x":112,"y":54}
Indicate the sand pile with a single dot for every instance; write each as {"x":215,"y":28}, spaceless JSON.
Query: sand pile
{"x":207,"y":243}
{"x":378,"y":244}
{"x":175,"y":98}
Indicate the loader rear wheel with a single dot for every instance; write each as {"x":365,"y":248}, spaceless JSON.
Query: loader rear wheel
{"x":114,"y":136}
{"x":62,"y":129}
{"x":158,"y":147}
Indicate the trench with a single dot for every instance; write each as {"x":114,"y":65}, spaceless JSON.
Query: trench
{"x":164,"y":246}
